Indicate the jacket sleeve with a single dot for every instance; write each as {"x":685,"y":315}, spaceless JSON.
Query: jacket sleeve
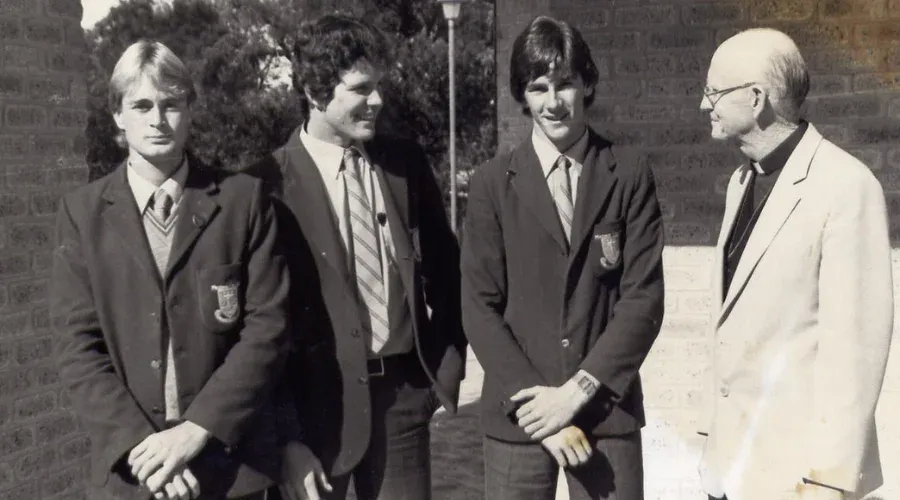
{"x":616,"y":357}
{"x":99,"y":396}
{"x":484,"y":294}
{"x":249,"y":373}
{"x":855,"y":324}
{"x":440,"y":270}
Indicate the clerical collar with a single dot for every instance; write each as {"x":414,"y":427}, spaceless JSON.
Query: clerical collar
{"x":777,"y":159}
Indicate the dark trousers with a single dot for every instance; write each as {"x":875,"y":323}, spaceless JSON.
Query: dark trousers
{"x":397,"y":463}
{"x":526,"y":471}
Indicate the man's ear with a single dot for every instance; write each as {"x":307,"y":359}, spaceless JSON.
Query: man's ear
{"x":588,"y":92}
{"x":760,"y":97}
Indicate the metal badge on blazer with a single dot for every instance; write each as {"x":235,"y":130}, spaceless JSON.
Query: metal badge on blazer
{"x":609,"y":246}
{"x":228,"y":302}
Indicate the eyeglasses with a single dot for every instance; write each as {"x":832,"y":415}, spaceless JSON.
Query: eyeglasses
{"x":721,"y":93}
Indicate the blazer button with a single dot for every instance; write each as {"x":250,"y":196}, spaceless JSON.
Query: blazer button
{"x":724,"y":391}
{"x":564,"y":342}
{"x":364,"y":380}
{"x":155,"y":364}
{"x":156,"y":409}
{"x":354,"y":333}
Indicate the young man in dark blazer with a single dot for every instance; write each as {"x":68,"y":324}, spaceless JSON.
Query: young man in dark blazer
{"x":562,"y":287}
{"x":375,"y":270}
{"x":169,"y":297}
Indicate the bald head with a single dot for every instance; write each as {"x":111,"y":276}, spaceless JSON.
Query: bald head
{"x":772,"y":59}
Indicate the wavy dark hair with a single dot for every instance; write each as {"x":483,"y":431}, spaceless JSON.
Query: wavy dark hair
{"x":550,"y":43}
{"x":328,"y":46}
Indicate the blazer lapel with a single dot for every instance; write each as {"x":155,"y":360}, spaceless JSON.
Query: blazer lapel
{"x":197,"y":209}
{"x":784,"y":198}
{"x":594,"y":188}
{"x":304,"y":192}
{"x":529,"y":182}
{"x":733,"y":199}
{"x":123,"y":217}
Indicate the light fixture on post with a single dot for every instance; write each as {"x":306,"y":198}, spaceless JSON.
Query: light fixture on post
{"x":451,"y":10}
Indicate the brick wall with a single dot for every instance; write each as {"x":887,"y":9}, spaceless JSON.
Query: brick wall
{"x":653,"y":56}
{"x":42,"y":118}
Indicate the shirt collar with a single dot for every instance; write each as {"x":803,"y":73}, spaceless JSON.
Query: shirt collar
{"x":777,"y":159}
{"x":143,"y":189}
{"x":327,"y":156}
{"x":547,"y":153}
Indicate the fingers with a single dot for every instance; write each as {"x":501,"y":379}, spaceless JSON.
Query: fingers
{"x":162,"y":476}
{"x":136,"y":452}
{"x":170,"y":491}
{"x":191,"y":481}
{"x":581,"y":453}
{"x":323,"y":480}
{"x":557,"y":455}
{"x":570,"y":455}
{"x":525,"y":394}
{"x":309,"y":487}
{"x":539,"y":432}
{"x":147,"y":466}
{"x":181,"y":489}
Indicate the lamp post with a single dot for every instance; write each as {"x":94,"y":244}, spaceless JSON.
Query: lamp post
{"x":451,"y":14}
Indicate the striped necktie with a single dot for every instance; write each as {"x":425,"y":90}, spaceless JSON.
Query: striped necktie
{"x":366,"y":252}
{"x":562,"y":193}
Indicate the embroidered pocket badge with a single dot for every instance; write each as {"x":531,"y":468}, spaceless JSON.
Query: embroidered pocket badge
{"x":228,"y":302}
{"x":609,"y":249}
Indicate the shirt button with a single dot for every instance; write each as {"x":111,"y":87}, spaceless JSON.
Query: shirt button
{"x":154,"y":364}
{"x":564,"y":342}
{"x":363,"y":380}
{"x":724,"y":391}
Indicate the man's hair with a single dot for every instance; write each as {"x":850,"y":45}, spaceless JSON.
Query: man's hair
{"x":549,"y":43}
{"x":785,"y":72}
{"x":329,"y":46}
{"x":153,"y":60}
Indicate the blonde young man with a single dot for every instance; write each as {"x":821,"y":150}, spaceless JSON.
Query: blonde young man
{"x":169,"y":297}
{"x":803,"y":290}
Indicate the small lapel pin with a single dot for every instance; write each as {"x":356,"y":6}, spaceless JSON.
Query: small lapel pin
{"x":198,"y":221}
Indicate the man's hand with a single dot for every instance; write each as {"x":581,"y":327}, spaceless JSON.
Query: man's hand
{"x":570,"y":447}
{"x":809,"y":491}
{"x":183,"y":486}
{"x":154,"y":461}
{"x":300,"y":472}
{"x":548,"y":409}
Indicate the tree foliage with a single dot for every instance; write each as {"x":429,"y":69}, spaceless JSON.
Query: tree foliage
{"x":234,"y":48}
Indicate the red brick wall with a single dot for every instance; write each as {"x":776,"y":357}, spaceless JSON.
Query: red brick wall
{"x":42,"y":118}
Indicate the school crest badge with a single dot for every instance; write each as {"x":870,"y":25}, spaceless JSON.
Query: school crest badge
{"x":609,"y":246}
{"x":228,"y":302}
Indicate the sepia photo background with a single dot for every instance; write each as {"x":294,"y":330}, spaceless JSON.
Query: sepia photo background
{"x":653,"y":56}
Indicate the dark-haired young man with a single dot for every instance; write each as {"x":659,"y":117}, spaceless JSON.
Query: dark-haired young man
{"x":379,"y":338}
{"x":562,"y":287}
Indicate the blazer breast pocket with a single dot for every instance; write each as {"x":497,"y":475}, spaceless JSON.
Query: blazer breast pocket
{"x":605,"y":252}
{"x":220,"y":289}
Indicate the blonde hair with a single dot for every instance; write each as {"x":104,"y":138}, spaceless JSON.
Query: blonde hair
{"x":156,"y":61}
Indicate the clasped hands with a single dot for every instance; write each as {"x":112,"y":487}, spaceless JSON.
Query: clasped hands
{"x":545,"y":414}
{"x":159,"y":462}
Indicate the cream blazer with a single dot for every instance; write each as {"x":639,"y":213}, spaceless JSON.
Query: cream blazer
{"x":801,"y":340}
